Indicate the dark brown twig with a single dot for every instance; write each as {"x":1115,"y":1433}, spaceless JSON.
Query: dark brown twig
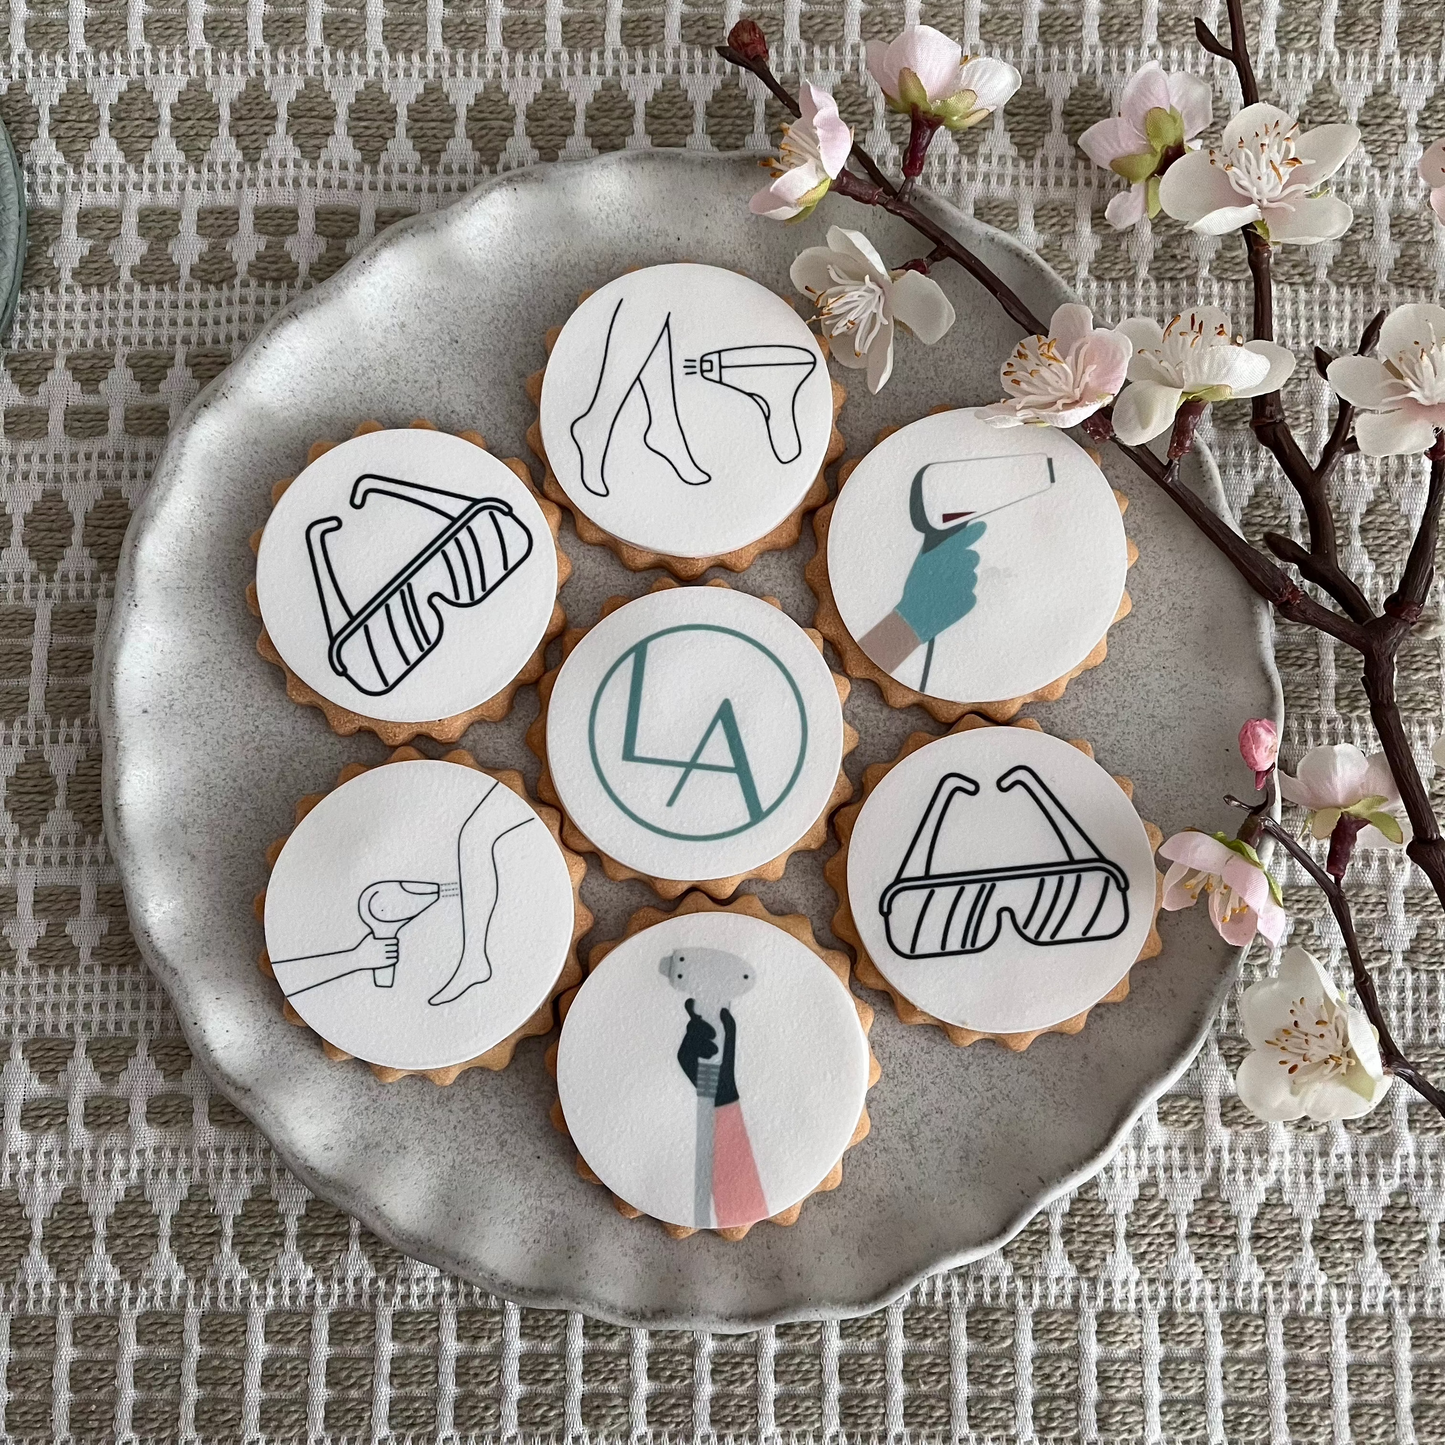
{"x":1376,"y":638}
{"x":857,"y":189}
{"x":1391,"y":1055}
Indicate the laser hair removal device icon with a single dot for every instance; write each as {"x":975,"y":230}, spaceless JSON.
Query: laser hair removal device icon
{"x":771,"y":377}
{"x":386,"y":908}
{"x":377,"y":645}
{"x":711,"y":979}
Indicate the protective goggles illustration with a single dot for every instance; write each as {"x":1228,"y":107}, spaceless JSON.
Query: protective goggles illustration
{"x":379,"y":644}
{"x":1081,"y":897}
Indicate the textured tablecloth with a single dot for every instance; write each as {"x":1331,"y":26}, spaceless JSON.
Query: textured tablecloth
{"x":191,"y":167}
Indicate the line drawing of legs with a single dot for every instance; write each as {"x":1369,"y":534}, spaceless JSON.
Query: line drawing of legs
{"x":623,"y":373}
{"x":485,"y":938}
{"x":771,"y":375}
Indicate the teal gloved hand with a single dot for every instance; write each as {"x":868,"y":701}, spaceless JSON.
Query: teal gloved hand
{"x":941,"y":583}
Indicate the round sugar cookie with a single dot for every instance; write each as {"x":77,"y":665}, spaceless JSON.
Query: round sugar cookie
{"x":712,"y":1070}
{"x":406,"y":575}
{"x":694,"y":733}
{"x":419,"y":915}
{"x":1000,"y":880}
{"x":975,"y":564}
{"x":686,"y":410}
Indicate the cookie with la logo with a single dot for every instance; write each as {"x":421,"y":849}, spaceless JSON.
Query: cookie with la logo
{"x":693,"y":736}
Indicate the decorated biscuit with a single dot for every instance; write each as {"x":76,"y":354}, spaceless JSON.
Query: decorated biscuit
{"x":686,"y":413}
{"x":422,"y":915}
{"x":407,"y":580}
{"x":693,"y":736}
{"x":966,"y":566}
{"x":712,"y":1069}
{"x":997,"y":881}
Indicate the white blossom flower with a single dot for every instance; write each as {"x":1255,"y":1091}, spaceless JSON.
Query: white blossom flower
{"x":815,"y":148}
{"x":1400,"y":393}
{"x":1338,"y":779}
{"x":1193,"y":358}
{"x":1312,"y":1054}
{"x":1160,"y":112}
{"x":861,"y":302}
{"x":1431,"y":170}
{"x":1061,"y":378}
{"x":1263,"y":172}
{"x":1243,"y":898}
{"x":924,"y":69}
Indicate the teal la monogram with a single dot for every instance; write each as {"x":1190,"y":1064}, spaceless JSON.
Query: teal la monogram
{"x":722,"y":727}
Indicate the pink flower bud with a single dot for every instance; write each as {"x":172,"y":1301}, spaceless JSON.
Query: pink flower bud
{"x":1259,"y":747}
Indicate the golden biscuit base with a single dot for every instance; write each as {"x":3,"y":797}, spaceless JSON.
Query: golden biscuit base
{"x":802,"y":929}
{"x":542,"y":1021}
{"x":639,"y":559}
{"x":670,"y":888}
{"x":836,"y":872}
{"x":345,"y":722}
{"x":856,"y":663}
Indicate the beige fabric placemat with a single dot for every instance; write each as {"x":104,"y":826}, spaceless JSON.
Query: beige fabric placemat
{"x":191,"y":167}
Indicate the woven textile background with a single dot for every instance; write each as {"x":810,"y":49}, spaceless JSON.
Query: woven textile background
{"x":191,"y":167}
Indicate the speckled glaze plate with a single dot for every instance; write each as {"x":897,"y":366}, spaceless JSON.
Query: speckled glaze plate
{"x":205,"y":757}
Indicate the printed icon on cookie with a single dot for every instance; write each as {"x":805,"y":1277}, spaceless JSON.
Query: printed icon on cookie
{"x":694,"y":734}
{"x":406,"y":575}
{"x":376,"y":644}
{"x":727,"y":1190}
{"x":386,"y":908}
{"x":947,"y":504}
{"x":712,"y":1070}
{"x":770,"y":376}
{"x":686,"y":409}
{"x":928,"y":912}
{"x":718,"y":791}
{"x":974,"y":565}
{"x":1000,"y":879}
{"x":419,"y":914}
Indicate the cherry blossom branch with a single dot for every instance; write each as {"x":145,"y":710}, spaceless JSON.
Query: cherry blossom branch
{"x":1391,"y":1055}
{"x":1376,"y":638}
{"x":1380,"y":637}
{"x":1402,"y":611}
{"x":1319,"y":563}
{"x":1263,"y":575}
{"x":747,"y":48}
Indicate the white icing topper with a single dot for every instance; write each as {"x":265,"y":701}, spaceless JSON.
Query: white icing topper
{"x":1001,"y":880}
{"x":712,"y":1070}
{"x":975,"y":564}
{"x":695,"y":733}
{"x":419,"y":914}
{"x":686,"y":409}
{"x":406,"y":575}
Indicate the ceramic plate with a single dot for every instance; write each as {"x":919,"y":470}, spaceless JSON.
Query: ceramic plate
{"x":205,"y":757}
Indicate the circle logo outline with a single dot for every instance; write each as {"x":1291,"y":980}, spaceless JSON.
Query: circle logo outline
{"x":631,"y":653}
